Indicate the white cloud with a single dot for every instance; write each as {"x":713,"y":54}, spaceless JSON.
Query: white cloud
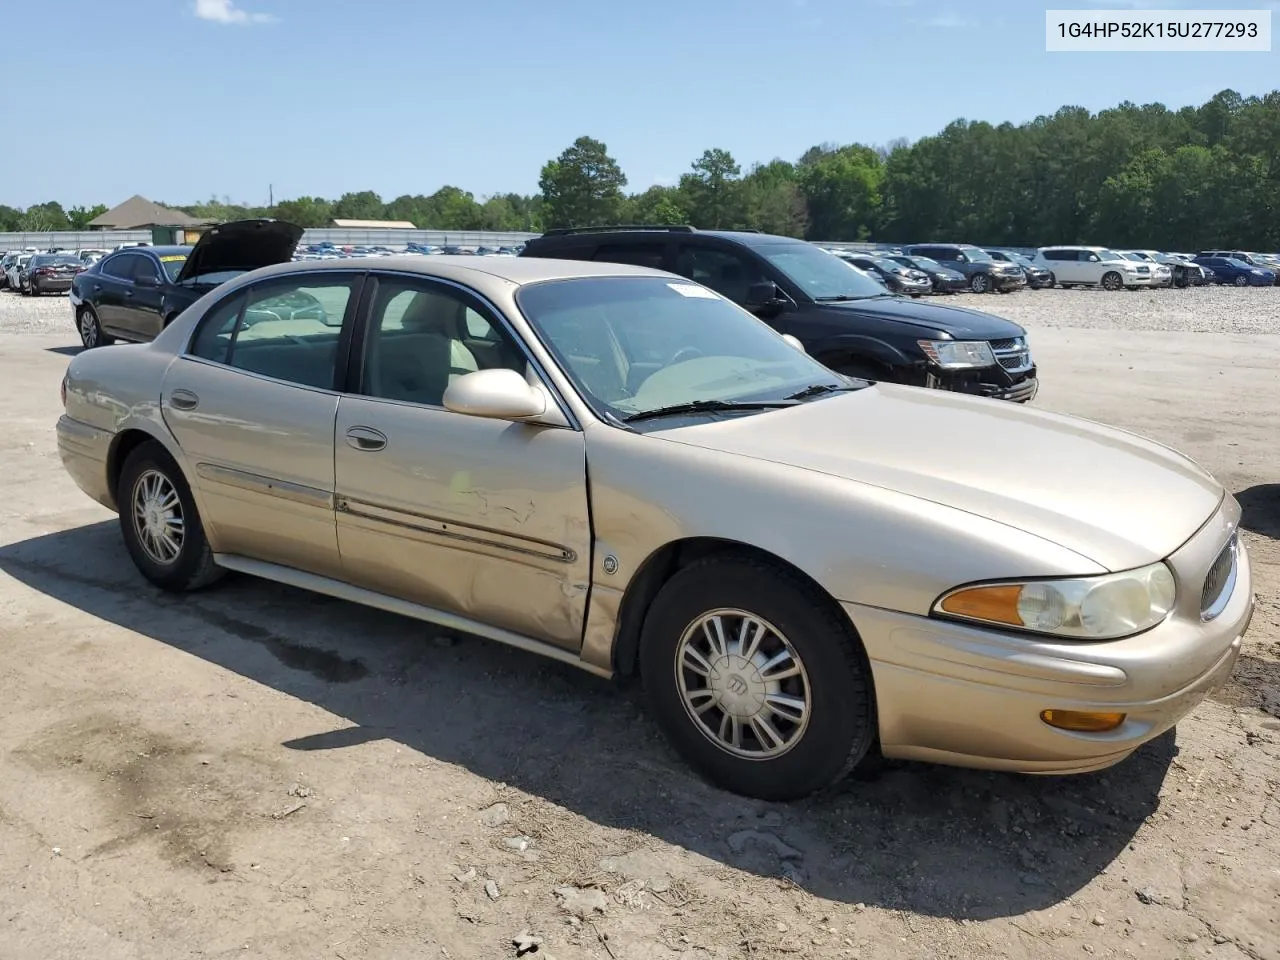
{"x":224,"y":11}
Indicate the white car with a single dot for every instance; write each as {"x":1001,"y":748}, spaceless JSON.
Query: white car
{"x":1161,"y":272}
{"x":1094,"y":266}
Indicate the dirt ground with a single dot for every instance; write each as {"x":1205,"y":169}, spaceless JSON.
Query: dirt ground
{"x":259,"y":772}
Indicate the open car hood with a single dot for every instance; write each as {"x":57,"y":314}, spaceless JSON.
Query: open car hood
{"x":241,"y":245}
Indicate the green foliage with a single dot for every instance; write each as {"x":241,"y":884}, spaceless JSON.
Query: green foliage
{"x":583,"y":186}
{"x":1189,"y":179}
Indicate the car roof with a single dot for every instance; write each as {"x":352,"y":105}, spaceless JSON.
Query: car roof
{"x":469,"y":269}
{"x":1070,"y":246}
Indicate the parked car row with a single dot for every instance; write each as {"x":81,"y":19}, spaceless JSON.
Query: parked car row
{"x":330,"y":251}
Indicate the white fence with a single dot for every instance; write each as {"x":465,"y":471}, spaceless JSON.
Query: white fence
{"x":73,"y":239}
{"x":396,"y":239}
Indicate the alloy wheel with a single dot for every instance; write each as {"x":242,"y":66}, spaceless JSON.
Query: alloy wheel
{"x":157,"y":517}
{"x":743,"y":684}
{"x":88,"y":329}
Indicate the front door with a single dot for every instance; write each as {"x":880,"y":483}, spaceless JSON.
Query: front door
{"x":486,"y":519}
{"x":140,"y":312}
{"x":252,"y":404}
{"x":108,"y":288}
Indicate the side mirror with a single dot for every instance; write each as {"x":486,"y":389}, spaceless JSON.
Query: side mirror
{"x":794,"y":342}
{"x":146,"y":280}
{"x":961,"y":258}
{"x":495,"y":394}
{"x":763,"y":294}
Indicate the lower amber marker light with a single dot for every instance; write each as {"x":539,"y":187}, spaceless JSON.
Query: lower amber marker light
{"x":1082,"y":721}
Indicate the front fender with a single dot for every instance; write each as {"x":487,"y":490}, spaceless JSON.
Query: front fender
{"x":862,"y":347}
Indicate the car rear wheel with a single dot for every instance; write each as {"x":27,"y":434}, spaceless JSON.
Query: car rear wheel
{"x":1112,"y":280}
{"x":980,"y":283}
{"x":1241,"y":281}
{"x":161,"y":526}
{"x":91,"y":334}
{"x":756,"y":679}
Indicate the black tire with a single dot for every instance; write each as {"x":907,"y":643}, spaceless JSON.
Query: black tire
{"x":192,"y":567}
{"x":980,"y":283}
{"x":35,"y":290}
{"x":841,"y":724}
{"x":90,"y":329}
{"x":1181,"y":281}
{"x":1111,"y":280}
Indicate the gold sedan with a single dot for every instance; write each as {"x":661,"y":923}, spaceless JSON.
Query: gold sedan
{"x":620,"y":469}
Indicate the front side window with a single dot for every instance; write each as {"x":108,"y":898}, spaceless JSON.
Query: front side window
{"x":287,"y":330}
{"x":820,"y":275}
{"x":638,"y":344}
{"x":423,"y":336}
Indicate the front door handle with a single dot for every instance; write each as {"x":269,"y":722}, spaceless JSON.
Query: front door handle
{"x":366,"y":439}
{"x":183,"y":400}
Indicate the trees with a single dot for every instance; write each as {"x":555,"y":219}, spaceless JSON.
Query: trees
{"x":712,"y":192}
{"x":583,"y":186}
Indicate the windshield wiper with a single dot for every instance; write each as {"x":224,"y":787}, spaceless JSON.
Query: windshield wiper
{"x":845,"y":298}
{"x":708,"y":406}
{"x":820,"y":388}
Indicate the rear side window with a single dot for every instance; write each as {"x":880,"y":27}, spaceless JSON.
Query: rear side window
{"x":213,"y":339}
{"x":636,"y":254}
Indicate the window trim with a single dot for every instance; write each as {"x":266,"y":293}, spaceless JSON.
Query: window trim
{"x":357,"y":279}
{"x":352,"y":382}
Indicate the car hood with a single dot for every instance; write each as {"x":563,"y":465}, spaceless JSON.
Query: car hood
{"x":961,"y":322}
{"x":241,"y":245}
{"x":1112,"y":497}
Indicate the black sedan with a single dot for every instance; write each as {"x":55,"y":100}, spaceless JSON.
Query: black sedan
{"x":1037,"y":277}
{"x":50,"y":273}
{"x":899,"y":279}
{"x":943,"y":279}
{"x":136,"y":292}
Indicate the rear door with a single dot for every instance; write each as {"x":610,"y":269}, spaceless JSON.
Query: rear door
{"x":140,"y":310}
{"x":252,"y":403}
{"x":108,"y":288}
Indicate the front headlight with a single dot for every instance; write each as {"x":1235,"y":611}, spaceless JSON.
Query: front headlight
{"x":958,"y":354}
{"x":1106,"y":607}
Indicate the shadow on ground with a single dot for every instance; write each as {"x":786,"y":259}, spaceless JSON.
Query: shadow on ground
{"x":1260,"y":509}
{"x":69,"y":351}
{"x":933,"y":840}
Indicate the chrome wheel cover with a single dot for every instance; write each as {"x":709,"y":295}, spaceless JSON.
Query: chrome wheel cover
{"x":742,"y":684}
{"x":157,"y":517}
{"x":88,"y":329}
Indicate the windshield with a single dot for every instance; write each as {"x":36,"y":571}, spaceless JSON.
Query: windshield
{"x":1131,"y":256}
{"x":173,"y":264}
{"x":636,"y":344}
{"x":1236,"y":262}
{"x":923,"y":263}
{"x":977,"y":256}
{"x":1110,"y":255}
{"x":817,"y":272}
{"x":1020,"y":260}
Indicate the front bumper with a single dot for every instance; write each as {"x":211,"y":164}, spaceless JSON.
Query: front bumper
{"x":949,"y":284}
{"x":1008,"y":281}
{"x":968,"y":696}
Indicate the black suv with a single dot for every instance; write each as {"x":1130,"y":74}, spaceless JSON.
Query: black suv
{"x":983,"y":273}
{"x":842,"y":317}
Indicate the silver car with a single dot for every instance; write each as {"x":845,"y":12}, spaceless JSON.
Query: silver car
{"x":619,"y":469}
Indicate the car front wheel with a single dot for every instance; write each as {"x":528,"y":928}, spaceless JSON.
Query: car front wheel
{"x":1242,"y":281}
{"x":979,"y":283}
{"x":756,"y":678}
{"x":1112,"y":281}
{"x":160,"y":524}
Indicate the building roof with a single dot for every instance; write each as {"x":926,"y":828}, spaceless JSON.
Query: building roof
{"x":138,"y":211}
{"x":375,"y":224}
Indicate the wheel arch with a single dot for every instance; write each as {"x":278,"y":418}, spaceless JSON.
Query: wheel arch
{"x":123,"y":444}
{"x":668,"y":560}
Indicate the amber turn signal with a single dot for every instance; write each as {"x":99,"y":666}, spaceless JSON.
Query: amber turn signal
{"x":1082,"y":721}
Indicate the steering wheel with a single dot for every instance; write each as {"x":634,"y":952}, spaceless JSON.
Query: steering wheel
{"x":683,"y":354}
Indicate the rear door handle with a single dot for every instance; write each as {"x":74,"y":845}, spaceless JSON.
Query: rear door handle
{"x":183,"y":400}
{"x":366,"y":439}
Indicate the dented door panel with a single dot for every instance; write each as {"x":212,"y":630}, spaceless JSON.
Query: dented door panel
{"x":483,"y":518}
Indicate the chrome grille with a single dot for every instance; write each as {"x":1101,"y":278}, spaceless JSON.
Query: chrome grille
{"x":1013,"y":354}
{"x":1220,"y":582}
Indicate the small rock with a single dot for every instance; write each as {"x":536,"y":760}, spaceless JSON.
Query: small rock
{"x":57,"y":851}
{"x":518,"y":844}
{"x":466,"y":877}
{"x":1099,"y":920}
{"x":525,"y":942}
{"x":582,"y":902}
{"x":782,"y":927}
{"x":739,"y":841}
{"x":298,"y":790}
{"x":491,"y":889}
{"x":660,"y":885}
{"x":495,"y":816}
{"x":1087,"y":948}
{"x":1220,"y":939}
{"x":1148,"y":895}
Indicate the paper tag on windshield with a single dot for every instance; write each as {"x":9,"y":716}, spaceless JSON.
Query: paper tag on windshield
{"x":692,"y":290}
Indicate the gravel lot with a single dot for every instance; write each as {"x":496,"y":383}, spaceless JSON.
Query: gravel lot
{"x":259,"y":772}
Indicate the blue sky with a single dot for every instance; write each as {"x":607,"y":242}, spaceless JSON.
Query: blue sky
{"x":180,"y":100}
